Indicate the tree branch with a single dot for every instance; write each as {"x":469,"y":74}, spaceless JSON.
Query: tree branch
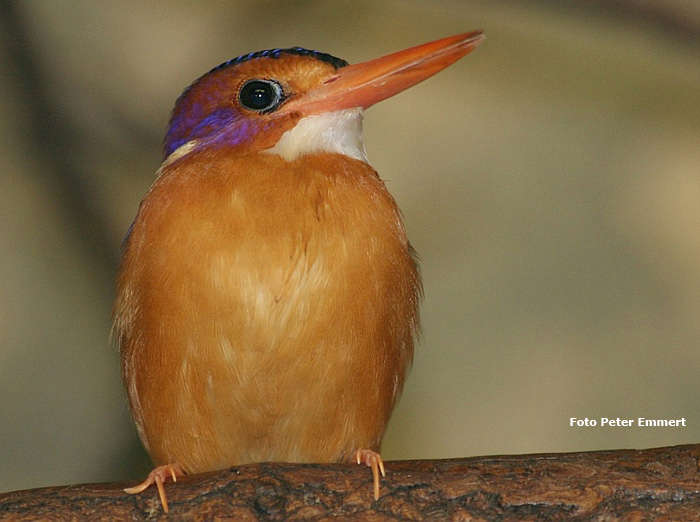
{"x":621,"y":484}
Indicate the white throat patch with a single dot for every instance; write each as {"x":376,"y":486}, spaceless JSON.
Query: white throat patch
{"x":339,"y":132}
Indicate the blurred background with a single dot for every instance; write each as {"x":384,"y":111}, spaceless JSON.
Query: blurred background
{"x":550,"y":182}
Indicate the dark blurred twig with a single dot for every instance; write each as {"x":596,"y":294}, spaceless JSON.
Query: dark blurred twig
{"x":670,"y":18}
{"x":56,"y":149}
{"x":54,"y":142}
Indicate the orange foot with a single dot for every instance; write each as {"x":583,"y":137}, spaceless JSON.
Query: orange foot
{"x":373,"y":460}
{"x":157,"y":477}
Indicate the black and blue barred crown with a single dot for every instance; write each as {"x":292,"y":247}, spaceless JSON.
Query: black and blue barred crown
{"x":275,"y":53}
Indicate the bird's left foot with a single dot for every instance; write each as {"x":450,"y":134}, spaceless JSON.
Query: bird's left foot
{"x":372,"y":460}
{"x":157,"y":477}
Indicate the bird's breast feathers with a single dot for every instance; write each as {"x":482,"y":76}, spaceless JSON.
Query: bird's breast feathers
{"x":271,"y":241}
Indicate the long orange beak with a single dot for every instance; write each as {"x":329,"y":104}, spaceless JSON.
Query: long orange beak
{"x":367,"y":83}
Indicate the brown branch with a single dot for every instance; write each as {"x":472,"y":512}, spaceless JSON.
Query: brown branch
{"x":622,"y":484}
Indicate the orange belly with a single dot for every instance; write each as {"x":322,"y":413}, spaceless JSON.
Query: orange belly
{"x":266,"y":311}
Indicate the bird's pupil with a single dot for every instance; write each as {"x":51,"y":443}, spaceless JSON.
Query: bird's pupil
{"x":260,"y":95}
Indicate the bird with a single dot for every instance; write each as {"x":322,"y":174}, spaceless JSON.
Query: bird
{"x":267,"y":299}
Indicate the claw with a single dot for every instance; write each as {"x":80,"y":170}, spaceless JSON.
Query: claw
{"x":372,"y":460}
{"x":158,"y":476}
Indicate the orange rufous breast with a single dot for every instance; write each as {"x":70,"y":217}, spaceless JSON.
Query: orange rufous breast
{"x":266,"y":310}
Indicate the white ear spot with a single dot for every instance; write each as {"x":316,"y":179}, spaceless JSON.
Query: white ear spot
{"x":337,"y":132}
{"x":181,"y":151}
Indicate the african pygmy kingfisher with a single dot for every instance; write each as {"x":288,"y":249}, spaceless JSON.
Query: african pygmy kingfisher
{"x":267,"y":301}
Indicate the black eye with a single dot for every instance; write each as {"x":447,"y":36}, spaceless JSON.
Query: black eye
{"x":261,"y":95}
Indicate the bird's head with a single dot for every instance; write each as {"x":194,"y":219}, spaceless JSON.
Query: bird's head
{"x":294,"y":101}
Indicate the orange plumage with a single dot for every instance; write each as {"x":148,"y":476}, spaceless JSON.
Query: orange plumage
{"x":267,"y":302}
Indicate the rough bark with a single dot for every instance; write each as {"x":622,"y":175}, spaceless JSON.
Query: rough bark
{"x":660,"y":483}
